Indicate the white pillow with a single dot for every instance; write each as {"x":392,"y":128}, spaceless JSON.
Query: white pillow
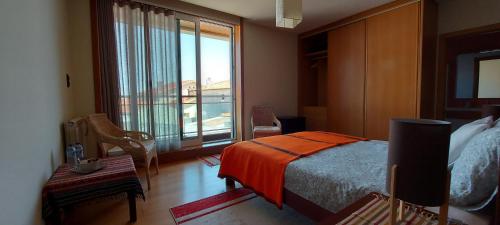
{"x":474,"y":178}
{"x":497,"y":123}
{"x":461,"y":137}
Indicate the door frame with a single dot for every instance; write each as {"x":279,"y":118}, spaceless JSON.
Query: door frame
{"x":441,"y":91}
{"x":198,"y":140}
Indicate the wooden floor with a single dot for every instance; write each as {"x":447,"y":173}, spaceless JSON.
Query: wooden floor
{"x":178,"y":183}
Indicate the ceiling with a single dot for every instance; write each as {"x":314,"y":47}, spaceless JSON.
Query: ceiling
{"x":315,"y":12}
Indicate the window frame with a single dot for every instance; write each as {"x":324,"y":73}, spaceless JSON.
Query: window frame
{"x":187,"y":9}
{"x":200,"y":138}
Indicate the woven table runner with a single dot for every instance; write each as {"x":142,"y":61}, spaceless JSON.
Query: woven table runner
{"x":66,"y":187}
{"x":377,"y":212}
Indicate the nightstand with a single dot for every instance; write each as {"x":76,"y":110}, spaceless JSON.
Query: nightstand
{"x":292,"y":124}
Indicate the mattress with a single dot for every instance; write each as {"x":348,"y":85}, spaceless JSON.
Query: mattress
{"x":336,"y":177}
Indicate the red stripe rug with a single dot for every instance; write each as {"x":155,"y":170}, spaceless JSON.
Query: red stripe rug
{"x":238,"y":206}
{"x":211,"y":160}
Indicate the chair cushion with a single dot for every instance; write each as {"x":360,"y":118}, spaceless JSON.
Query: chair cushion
{"x":149,"y":144}
{"x":267,"y":129}
{"x":264,"y":131}
{"x":117,"y":151}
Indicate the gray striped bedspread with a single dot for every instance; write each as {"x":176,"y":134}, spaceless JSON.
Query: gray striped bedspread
{"x":336,"y":177}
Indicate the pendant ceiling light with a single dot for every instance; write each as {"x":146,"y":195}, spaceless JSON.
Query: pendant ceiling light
{"x":288,"y":13}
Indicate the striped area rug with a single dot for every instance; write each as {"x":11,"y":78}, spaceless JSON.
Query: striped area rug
{"x":240,"y":206}
{"x":211,"y":160}
{"x":377,"y":212}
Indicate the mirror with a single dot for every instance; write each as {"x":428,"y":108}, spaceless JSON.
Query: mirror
{"x":478,"y":75}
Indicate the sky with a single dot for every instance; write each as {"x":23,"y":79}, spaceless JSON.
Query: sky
{"x":215,"y":59}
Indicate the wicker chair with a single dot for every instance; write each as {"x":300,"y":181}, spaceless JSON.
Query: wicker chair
{"x":114,"y":141}
{"x":264,"y":122}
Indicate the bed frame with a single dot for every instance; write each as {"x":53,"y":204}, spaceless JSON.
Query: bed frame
{"x":302,"y":205}
{"x":318,"y":213}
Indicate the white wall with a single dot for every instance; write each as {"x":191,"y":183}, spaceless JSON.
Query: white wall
{"x":33,"y":103}
{"x":81,"y":70}
{"x":455,"y":15}
{"x":270,"y":71}
{"x":80,"y":44}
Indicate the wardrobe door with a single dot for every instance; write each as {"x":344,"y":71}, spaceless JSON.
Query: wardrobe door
{"x":346,"y":79}
{"x":391,"y":75}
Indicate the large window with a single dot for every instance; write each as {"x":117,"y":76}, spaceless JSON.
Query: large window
{"x":175,"y":76}
{"x":207,"y":84}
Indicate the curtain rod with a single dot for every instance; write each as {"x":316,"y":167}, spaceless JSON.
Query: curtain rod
{"x":196,"y":10}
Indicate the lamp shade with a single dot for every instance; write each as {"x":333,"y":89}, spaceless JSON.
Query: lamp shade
{"x":419,"y":148}
{"x":491,"y":110}
{"x":288,"y":13}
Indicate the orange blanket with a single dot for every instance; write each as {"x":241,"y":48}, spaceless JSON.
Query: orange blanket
{"x":260,"y":163}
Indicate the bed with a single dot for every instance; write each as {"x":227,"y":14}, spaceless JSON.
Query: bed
{"x":320,"y":184}
{"x":306,"y":177}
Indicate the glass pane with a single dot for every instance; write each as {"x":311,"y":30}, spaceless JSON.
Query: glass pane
{"x":476,"y":76}
{"x":190,"y":119}
{"x":465,"y":75}
{"x":489,"y":78}
{"x":188,"y":78}
{"x":216,"y":80}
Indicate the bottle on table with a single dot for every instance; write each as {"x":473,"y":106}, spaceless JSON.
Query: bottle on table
{"x":79,"y":154}
{"x":70,"y":156}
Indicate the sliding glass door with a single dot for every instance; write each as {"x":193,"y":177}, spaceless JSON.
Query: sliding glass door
{"x":217,"y":92}
{"x":206,"y":74}
{"x":175,"y":76}
{"x":189,"y":91}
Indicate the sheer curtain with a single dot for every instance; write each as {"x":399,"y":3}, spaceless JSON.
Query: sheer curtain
{"x":147,"y":68}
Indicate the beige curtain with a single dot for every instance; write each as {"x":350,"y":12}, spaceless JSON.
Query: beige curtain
{"x":147,"y":68}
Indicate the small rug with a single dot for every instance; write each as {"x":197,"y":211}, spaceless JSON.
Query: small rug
{"x":240,"y":206}
{"x":211,"y":160}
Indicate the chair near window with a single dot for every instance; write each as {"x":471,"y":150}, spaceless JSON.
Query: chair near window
{"x":264,"y":122}
{"x":114,"y":141}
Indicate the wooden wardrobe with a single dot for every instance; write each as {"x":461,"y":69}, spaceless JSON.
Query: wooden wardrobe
{"x":346,"y":79}
{"x":380,"y":65}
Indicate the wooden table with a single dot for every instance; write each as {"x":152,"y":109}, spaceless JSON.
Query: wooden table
{"x":66,"y":188}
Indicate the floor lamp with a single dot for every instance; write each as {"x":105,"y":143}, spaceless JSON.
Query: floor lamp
{"x":417,"y":170}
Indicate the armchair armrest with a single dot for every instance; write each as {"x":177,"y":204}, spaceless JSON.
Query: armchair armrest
{"x":277,"y":122}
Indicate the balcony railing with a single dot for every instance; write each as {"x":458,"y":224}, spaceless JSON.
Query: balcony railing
{"x":217,"y":115}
